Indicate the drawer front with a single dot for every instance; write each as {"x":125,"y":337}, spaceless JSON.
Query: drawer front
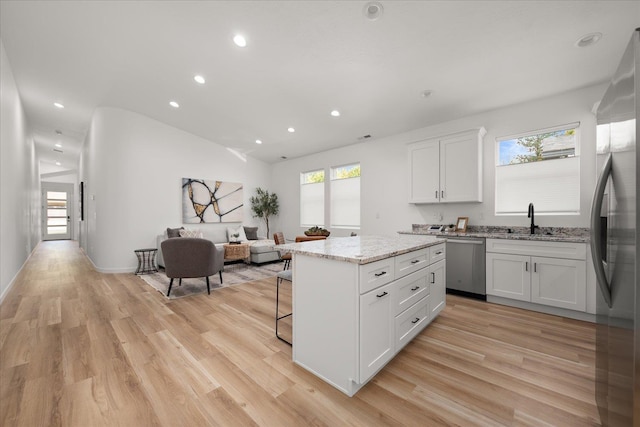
{"x":411,"y":289}
{"x":436,"y":253}
{"x":411,"y":322}
{"x":411,"y":261}
{"x":567,"y":250}
{"x":376,"y":274}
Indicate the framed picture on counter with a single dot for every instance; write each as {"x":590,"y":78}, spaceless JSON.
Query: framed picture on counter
{"x":461,"y":224}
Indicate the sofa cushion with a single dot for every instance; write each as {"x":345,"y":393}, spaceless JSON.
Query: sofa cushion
{"x":239,"y":230}
{"x":174,"y":232}
{"x":262,"y":246}
{"x":251,"y":233}
{"x":191,"y":233}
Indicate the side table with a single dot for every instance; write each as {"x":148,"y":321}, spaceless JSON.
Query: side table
{"x":146,"y":260}
{"x":234,"y":252}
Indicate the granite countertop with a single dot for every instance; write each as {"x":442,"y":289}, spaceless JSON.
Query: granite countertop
{"x":361,"y":249}
{"x":549,"y":234}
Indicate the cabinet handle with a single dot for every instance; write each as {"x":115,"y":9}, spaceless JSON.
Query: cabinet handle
{"x":433,"y":277}
{"x":415,"y":289}
{"x":416,"y":320}
{"x":442,"y":194}
{"x":415,"y":261}
{"x":382,"y":273}
{"x":535,"y":265}
{"x":436,"y":194}
{"x":382,"y":294}
{"x":526,"y":266}
{"x":439,"y":253}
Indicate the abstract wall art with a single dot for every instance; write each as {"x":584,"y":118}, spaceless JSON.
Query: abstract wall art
{"x":206,"y":201}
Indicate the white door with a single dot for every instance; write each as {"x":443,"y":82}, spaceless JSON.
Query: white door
{"x":509,"y":276}
{"x":376,"y":329}
{"x":424,"y":175}
{"x":559,"y":282}
{"x":56,"y":214}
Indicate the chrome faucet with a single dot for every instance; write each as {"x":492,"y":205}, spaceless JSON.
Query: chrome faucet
{"x":531,"y":215}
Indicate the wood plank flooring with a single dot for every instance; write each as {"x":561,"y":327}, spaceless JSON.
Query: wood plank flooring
{"x":80,"y":348}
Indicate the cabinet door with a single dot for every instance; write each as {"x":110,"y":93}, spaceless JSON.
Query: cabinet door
{"x":559,"y":283}
{"x":437,"y":285}
{"x":461,"y":168}
{"x":377,"y":313}
{"x":424,"y":175}
{"x":508,"y":276}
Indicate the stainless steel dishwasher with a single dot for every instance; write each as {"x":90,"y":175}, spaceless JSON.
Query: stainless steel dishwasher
{"x":466,"y":267}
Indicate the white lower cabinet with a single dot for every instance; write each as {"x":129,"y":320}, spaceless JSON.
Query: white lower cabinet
{"x":515,"y":271}
{"x":377,"y":310}
{"x":351,"y":319}
{"x":437,"y":285}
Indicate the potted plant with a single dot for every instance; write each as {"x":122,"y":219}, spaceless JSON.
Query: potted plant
{"x":264,"y":205}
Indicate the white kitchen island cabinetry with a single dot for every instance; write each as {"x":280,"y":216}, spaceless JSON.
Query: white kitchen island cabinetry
{"x":447,"y":169}
{"x":547,"y":273}
{"x":358,"y":300}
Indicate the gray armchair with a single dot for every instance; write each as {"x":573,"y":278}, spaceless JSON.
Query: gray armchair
{"x":186,"y":257}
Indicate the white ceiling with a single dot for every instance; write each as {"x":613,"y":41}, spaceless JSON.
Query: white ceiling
{"x":303,"y":59}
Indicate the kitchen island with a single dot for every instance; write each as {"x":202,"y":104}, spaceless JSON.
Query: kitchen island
{"x":357,"y":301}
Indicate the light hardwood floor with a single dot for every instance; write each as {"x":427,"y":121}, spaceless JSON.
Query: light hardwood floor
{"x":80,"y":348}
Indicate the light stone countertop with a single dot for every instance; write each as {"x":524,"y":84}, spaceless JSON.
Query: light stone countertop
{"x":360,"y":249}
{"x":548,"y":234}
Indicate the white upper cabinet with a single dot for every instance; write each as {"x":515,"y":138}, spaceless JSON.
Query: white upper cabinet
{"x":447,"y":169}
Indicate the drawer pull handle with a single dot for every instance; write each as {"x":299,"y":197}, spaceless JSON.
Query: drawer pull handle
{"x":433,"y":277}
{"x":526,"y":266}
{"x":535,"y":267}
{"x":382,"y":273}
{"x":416,"y":288}
{"x":439,"y":253}
{"x":382,"y":294}
{"x":415,"y":321}
{"x":415,"y":261}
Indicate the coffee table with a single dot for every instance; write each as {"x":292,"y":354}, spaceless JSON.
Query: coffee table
{"x":239,"y":251}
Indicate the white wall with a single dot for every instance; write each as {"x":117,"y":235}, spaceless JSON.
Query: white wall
{"x":20,"y":193}
{"x":133,"y":167}
{"x":384,"y":183}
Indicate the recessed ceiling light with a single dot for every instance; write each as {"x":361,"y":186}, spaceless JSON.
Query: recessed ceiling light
{"x":239,"y":40}
{"x":588,"y":39}
{"x":258,"y":141}
{"x":426,"y":93}
{"x":291,"y":130}
{"x":57,"y":104}
{"x":58,"y":145}
{"x":199,"y":79}
{"x":373,"y":10}
{"x":174,"y":104}
{"x":335,"y":113}
{"x":58,"y":163}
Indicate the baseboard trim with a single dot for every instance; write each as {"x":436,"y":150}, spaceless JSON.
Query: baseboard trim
{"x":13,"y":280}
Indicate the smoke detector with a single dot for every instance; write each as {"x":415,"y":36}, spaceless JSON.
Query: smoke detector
{"x":373,"y":10}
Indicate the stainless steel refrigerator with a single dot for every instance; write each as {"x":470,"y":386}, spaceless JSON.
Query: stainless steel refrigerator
{"x":614,"y":243}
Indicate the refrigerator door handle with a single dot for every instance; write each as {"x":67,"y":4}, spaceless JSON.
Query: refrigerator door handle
{"x":596,"y":235}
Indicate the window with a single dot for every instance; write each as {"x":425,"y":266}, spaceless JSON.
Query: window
{"x":542,"y":168}
{"x":312,"y":198}
{"x":345,"y":196}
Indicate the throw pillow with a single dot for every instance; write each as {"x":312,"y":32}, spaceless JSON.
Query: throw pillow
{"x":239,"y":230}
{"x":251,"y":233}
{"x":191,"y":233}
{"x":174,"y":232}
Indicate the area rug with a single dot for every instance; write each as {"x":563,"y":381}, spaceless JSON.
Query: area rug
{"x":233,"y":274}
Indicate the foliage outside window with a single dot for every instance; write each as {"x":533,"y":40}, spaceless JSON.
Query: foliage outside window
{"x":541,"y":167}
{"x":312,"y":198}
{"x":345,"y":196}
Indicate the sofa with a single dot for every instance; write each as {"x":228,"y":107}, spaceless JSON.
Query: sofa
{"x":262,"y":249}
